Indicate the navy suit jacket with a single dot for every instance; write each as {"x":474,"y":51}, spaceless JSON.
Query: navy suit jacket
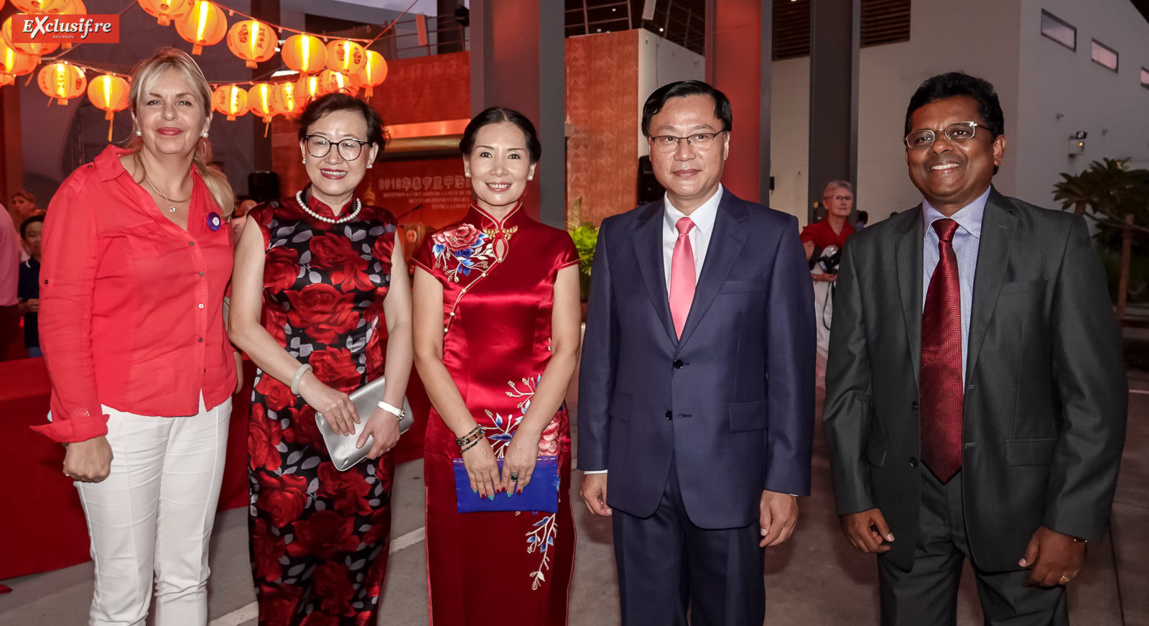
{"x":732,"y":401}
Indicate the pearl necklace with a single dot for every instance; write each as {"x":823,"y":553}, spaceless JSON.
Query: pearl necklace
{"x":343,"y":220}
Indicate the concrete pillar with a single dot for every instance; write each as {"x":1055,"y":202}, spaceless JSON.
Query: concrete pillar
{"x":834,"y":46}
{"x":738,"y":59}
{"x":517,"y":61}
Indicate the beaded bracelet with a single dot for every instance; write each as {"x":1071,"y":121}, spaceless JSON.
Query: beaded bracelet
{"x":469,"y":445}
{"x":472,"y":435}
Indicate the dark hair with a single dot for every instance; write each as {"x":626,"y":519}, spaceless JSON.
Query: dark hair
{"x":28,"y":222}
{"x":339,"y":101}
{"x":863,"y":217}
{"x":497,"y":115}
{"x":953,"y":84}
{"x":681,"y":89}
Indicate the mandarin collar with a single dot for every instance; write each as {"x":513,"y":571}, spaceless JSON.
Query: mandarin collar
{"x":320,"y":207}
{"x":483,"y":217}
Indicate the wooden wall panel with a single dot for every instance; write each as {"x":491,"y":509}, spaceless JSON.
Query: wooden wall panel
{"x":602,"y":110}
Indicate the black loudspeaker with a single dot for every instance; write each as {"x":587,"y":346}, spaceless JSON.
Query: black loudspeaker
{"x":263,"y":186}
{"x":649,"y":188}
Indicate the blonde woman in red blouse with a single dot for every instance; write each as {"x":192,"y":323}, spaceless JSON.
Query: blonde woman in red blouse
{"x":136,"y":259}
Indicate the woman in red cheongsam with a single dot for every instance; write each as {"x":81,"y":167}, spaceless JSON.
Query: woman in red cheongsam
{"x":328,"y":273}
{"x":496,"y":340}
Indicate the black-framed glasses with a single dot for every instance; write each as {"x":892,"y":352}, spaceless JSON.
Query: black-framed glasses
{"x":957,"y":132}
{"x":669,"y":143}
{"x":319,"y":146}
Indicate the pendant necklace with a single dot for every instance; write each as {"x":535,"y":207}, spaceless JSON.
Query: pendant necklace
{"x":171,"y":205}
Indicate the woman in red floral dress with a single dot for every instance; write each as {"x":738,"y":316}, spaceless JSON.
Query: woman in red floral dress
{"x":496,"y":335}
{"x":326,"y":270}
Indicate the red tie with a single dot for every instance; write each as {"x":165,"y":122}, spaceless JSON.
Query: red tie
{"x":682,"y":276}
{"x":942,"y":395}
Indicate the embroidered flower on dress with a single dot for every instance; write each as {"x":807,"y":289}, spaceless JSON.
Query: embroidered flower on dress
{"x":463,"y":245}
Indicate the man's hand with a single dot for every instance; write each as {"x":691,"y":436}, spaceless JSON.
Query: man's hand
{"x":867,"y":531}
{"x":1055,"y":558}
{"x":777,"y":516}
{"x":29,"y":306}
{"x":88,"y":461}
{"x":593,"y":492}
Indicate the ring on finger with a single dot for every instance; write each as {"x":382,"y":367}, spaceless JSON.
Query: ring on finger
{"x":1064,"y":579}
{"x":514,"y":477}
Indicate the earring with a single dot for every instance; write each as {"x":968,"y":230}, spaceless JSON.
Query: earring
{"x":468,"y":174}
{"x":305,"y":160}
{"x":139,"y":133}
{"x":530,"y":177}
{"x":205,"y":134}
{"x":369,"y":166}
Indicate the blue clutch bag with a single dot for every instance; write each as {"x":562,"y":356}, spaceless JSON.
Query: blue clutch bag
{"x":542,"y":494}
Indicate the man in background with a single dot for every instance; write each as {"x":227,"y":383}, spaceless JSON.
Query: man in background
{"x":28,"y":291}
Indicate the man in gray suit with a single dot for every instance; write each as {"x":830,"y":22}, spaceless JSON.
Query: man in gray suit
{"x":976,"y":397}
{"x":696,"y":389}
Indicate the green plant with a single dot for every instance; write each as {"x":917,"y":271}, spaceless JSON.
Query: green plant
{"x":585,"y":237}
{"x":1106,"y":192}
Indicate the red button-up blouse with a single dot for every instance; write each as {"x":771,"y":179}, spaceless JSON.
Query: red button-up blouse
{"x":131,"y":305}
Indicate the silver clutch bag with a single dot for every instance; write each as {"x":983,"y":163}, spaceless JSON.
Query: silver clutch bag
{"x":344,"y":454}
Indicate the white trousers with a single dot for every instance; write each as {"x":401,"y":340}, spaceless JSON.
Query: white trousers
{"x":823,"y":315}
{"x":153,"y":515}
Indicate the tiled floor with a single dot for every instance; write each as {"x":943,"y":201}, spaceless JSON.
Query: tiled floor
{"x":814,"y":579}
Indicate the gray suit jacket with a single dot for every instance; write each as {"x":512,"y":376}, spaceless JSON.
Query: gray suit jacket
{"x":1046,"y":393}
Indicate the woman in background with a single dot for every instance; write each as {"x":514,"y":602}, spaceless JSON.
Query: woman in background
{"x":496,"y":339}
{"x":327,"y":268}
{"x":136,"y":260}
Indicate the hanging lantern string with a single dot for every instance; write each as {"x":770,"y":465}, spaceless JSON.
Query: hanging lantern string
{"x":231,"y":12}
{"x":61,"y":53}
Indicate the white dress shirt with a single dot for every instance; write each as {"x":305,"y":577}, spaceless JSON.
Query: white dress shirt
{"x":703,"y":218}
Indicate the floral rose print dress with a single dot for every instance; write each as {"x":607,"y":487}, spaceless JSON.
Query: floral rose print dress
{"x":319,"y":537}
{"x":498,"y":279}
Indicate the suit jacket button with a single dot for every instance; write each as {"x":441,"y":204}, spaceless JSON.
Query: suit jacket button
{"x":914,"y":406}
{"x":669,"y":415}
{"x":678,"y":364}
{"x":913,"y":462}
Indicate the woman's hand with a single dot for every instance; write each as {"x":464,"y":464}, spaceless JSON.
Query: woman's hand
{"x":88,"y":461}
{"x":334,"y":405}
{"x":519,"y":464}
{"x":238,"y":372}
{"x":482,"y":468}
{"x":383,"y":428}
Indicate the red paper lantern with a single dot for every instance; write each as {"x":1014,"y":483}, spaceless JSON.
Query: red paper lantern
{"x":285,"y":100}
{"x":307,"y":89}
{"x":261,"y":100}
{"x":374,"y":72}
{"x":39,"y":6}
{"x":330,"y":82}
{"x":252,"y":40}
{"x":204,"y":25}
{"x":304,"y":54}
{"x":62,"y":81}
{"x":35,"y":49}
{"x":166,"y":10}
{"x":346,"y":57}
{"x":15,"y":62}
{"x":109,"y":93}
{"x":230,"y":100}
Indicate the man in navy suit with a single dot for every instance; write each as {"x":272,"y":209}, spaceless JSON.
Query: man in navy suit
{"x":696,"y":392}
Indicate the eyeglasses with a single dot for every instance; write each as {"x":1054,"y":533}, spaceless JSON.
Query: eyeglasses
{"x":958,"y":132}
{"x":838,"y":198}
{"x":319,"y":147}
{"x":669,"y":143}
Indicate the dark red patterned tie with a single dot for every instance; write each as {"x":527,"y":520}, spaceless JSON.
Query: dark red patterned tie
{"x":942,"y":396}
